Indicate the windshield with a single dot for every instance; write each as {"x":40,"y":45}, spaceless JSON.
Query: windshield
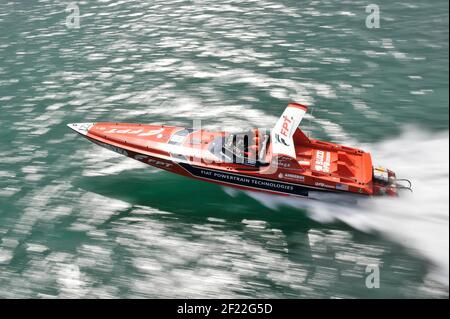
{"x":246,"y":148}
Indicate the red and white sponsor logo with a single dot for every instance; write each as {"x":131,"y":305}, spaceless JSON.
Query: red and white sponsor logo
{"x":139,"y":132}
{"x":287,"y":126}
{"x":323,"y":161}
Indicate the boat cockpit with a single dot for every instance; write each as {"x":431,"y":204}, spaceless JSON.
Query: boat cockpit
{"x":245,"y":148}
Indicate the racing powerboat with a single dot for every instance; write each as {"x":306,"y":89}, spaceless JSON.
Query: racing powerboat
{"x":283,"y":160}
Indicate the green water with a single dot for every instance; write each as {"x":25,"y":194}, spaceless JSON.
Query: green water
{"x":80,"y":221}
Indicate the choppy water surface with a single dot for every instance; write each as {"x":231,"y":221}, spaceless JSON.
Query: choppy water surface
{"x":80,"y":221}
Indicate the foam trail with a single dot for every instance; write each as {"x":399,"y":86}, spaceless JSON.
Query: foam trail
{"x":418,"y":221}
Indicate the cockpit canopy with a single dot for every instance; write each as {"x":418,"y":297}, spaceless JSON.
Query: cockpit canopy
{"x":246,"y":148}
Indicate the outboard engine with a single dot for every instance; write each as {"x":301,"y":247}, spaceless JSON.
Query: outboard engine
{"x":383,"y":175}
{"x":386,"y":183}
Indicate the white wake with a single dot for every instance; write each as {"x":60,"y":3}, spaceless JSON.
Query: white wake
{"x":418,"y":221}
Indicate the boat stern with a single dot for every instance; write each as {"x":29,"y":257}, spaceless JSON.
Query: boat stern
{"x":386,"y":183}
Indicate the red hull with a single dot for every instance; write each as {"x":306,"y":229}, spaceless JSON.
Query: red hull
{"x":317,"y":165}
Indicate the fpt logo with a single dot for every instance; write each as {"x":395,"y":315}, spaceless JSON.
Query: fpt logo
{"x":138,"y":132}
{"x":151,"y":161}
{"x":281,"y":140}
{"x":286,"y":128}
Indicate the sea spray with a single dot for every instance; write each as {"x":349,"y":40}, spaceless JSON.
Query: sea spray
{"x":418,"y":220}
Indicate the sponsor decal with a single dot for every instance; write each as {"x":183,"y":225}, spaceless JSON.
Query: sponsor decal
{"x":342,"y":187}
{"x":151,"y":161}
{"x":139,"y":132}
{"x":248,"y":181}
{"x":320,"y":184}
{"x":284,"y":162}
{"x":281,"y":140}
{"x":294,"y":176}
{"x":286,"y":129}
{"x":323,"y":161}
{"x":153,"y":132}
